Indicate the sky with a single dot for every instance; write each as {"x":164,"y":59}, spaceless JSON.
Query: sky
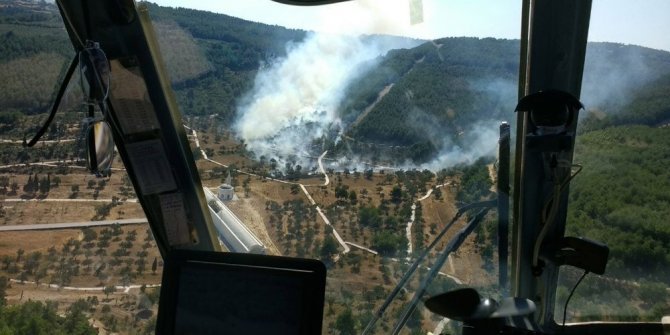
{"x":645,"y":23}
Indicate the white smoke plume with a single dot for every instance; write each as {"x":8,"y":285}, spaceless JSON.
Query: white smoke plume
{"x":610,"y":78}
{"x":478,"y":141}
{"x":295,"y":100}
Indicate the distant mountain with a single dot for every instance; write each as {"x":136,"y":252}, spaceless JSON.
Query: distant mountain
{"x":435,"y":93}
{"x":409,"y":104}
{"x":648,"y":104}
{"x":33,"y":51}
{"x":621,"y":198}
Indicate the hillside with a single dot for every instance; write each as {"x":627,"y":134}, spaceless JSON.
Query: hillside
{"x":621,"y":199}
{"x":34,"y":50}
{"x":409,"y":104}
{"x":441,"y":90}
{"x":649,"y":105}
{"x":622,"y":195}
{"x":436,"y":92}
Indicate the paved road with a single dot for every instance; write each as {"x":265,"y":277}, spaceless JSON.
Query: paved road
{"x":408,"y":229}
{"x":42,"y":142}
{"x":51,"y":164}
{"x":124,"y":289}
{"x":362,"y":247}
{"x":66,"y":200}
{"x":321,"y":168}
{"x":440,"y":326}
{"x":339,"y":239}
{"x":69,"y":225}
{"x":309,"y":197}
{"x":337,"y":235}
{"x":28,"y":164}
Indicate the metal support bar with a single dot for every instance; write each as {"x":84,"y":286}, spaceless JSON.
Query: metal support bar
{"x":145,"y":122}
{"x":503,"y":206}
{"x":553,"y":50}
{"x":408,"y":274}
{"x":454,"y":244}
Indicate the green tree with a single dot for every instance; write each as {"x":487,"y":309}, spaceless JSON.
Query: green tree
{"x":4,"y":183}
{"x":76,"y":321}
{"x":396,"y":194}
{"x":651,"y":293}
{"x":368,"y":174}
{"x":341,"y":191}
{"x":4,"y":283}
{"x":345,"y":323}
{"x":6,"y":262}
{"x":14,"y":187}
{"x":109,"y":289}
{"x":89,"y":234}
{"x":329,"y":248}
{"x":353,"y":198}
{"x":388,"y":243}
{"x":45,"y":185}
{"x":438,"y":193}
{"x":294,"y":189}
{"x":75,"y":191}
{"x":154,"y":265}
{"x":369,"y":217}
{"x":19,"y":254}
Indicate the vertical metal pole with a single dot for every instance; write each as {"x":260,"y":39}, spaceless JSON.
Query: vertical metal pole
{"x":553,"y":50}
{"x":503,"y":205}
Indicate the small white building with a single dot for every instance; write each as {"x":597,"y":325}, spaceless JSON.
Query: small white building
{"x":226,"y":191}
{"x":232,"y":231}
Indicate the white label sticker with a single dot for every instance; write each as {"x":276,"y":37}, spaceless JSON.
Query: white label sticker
{"x":151,"y":166}
{"x":130,"y":100}
{"x":174,"y":219}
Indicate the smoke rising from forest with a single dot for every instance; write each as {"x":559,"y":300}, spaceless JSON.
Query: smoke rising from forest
{"x":611,"y":79}
{"x":295,"y":100}
{"x":479,"y":139}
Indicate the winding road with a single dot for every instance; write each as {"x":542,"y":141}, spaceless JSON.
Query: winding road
{"x":408,"y":230}
{"x":67,"y":200}
{"x":67,"y":225}
{"x":124,"y":289}
{"x":339,"y":238}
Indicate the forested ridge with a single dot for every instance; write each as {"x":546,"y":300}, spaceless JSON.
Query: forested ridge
{"x":234,"y":49}
{"x":649,"y":105}
{"x":34,"y":51}
{"x":37,"y":318}
{"x":439,"y":89}
{"x":622,"y":197}
{"x":450,"y":83}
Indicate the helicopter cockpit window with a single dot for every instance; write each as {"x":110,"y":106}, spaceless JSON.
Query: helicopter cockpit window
{"x":353,"y":138}
{"x":621,"y":196}
{"x":77,"y":253}
{"x":356,"y":134}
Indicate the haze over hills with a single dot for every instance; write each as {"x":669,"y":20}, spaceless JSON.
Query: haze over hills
{"x":433,"y":103}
